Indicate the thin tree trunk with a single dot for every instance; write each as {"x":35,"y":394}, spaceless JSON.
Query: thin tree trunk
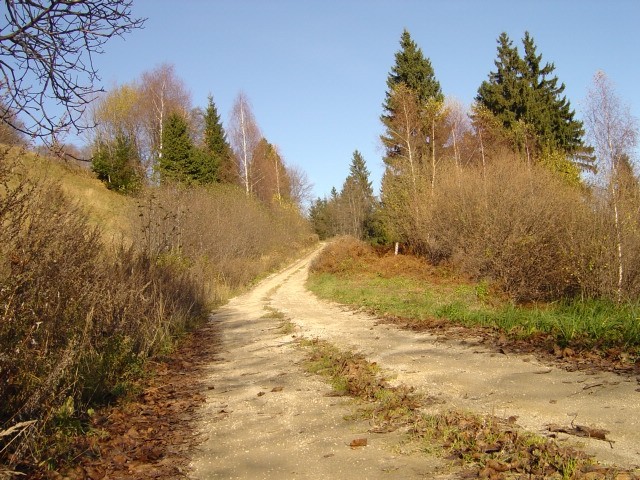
{"x":619,"y":242}
{"x":433,"y":156}
{"x":245,"y":154}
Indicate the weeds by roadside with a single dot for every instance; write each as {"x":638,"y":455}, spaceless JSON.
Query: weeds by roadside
{"x":484,"y":446}
{"x":77,"y":318}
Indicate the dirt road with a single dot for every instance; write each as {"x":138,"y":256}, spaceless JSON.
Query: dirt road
{"x":267,"y":418}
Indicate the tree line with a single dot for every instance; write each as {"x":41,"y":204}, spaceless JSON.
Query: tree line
{"x":148,"y":131}
{"x":440,"y":192}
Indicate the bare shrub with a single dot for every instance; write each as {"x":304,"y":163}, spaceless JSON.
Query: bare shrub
{"x":76,"y":320}
{"x":344,"y":254}
{"x":223,"y":237}
{"x":516,"y":225}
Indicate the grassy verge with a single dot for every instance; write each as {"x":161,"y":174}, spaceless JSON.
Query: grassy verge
{"x":485,"y":446}
{"x":420,"y":294}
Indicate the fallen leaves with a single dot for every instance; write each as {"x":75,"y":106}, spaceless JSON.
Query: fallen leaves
{"x":358,"y":442}
{"x":150,"y":437}
{"x":580,"y":431}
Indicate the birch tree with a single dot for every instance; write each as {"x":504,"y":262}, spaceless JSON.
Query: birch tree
{"x":244,"y":135}
{"x":613,"y":132}
{"x":269,"y":178}
{"x":162,"y":93}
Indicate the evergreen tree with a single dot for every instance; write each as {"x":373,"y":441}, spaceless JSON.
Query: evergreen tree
{"x":525,"y":97}
{"x":414,"y":70}
{"x":116,"y":164}
{"x":356,"y":200}
{"x":413,"y":138}
{"x":322,"y":218}
{"x":218,"y":164}
{"x":179,"y":161}
{"x":412,"y":89}
{"x":502,"y":94}
{"x":546,"y":109}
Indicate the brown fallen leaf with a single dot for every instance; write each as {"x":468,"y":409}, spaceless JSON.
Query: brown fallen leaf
{"x":261,"y":394}
{"x":358,"y":442}
{"x":580,"y":431}
{"x":497,"y":466}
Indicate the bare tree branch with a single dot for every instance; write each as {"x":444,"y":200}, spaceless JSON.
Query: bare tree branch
{"x":46,"y":58}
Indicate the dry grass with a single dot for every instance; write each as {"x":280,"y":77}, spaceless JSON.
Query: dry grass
{"x":106,"y":209}
{"x":485,"y":446}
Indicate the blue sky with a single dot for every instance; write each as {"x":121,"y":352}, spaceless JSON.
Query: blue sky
{"x":315,"y":70}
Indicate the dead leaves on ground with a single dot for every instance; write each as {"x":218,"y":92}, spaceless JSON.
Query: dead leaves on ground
{"x":541,"y":345}
{"x":358,"y":442}
{"x":150,"y":437}
{"x":486,"y":446}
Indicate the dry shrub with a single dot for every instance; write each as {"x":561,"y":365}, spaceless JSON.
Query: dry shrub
{"x":223,"y":237}
{"x":343,"y":255}
{"x":517,"y":225}
{"x":76,"y":320}
{"x":596,"y":259}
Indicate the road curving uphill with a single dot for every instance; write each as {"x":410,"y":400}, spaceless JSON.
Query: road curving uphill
{"x":267,"y":418}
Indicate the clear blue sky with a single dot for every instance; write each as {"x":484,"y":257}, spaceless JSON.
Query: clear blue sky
{"x":315,"y":70}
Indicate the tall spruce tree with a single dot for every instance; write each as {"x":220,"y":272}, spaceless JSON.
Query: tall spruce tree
{"x":180,"y":161}
{"x":503,"y":93}
{"x":412,"y":137}
{"x":414,"y":70}
{"x":412,"y":78}
{"x":218,"y":164}
{"x":525,"y":97}
{"x":356,"y":199}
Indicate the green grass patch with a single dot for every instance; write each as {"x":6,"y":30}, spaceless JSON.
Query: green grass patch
{"x":592,"y":323}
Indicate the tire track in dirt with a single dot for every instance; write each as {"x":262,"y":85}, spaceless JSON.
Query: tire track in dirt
{"x":266,"y":418}
{"x":471,"y":377}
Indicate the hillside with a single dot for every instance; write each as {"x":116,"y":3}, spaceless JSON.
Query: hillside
{"x":109,"y":210}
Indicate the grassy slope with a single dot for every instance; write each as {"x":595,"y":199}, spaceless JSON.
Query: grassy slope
{"x":109,"y":210}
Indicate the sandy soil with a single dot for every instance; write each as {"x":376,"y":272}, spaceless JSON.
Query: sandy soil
{"x":267,"y":418}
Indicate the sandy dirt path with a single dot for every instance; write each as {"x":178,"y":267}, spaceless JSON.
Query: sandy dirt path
{"x":256,"y":429}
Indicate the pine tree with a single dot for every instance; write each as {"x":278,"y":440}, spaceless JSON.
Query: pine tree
{"x":414,"y":70}
{"x":412,"y":89}
{"x":322,"y":218}
{"x":526,"y":98}
{"x":356,"y":199}
{"x":218,"y":164}
{"x":502,"y":94}
{"x":116,"y":164}
{"x":413,"y":137}
{"x":179,"y":159}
